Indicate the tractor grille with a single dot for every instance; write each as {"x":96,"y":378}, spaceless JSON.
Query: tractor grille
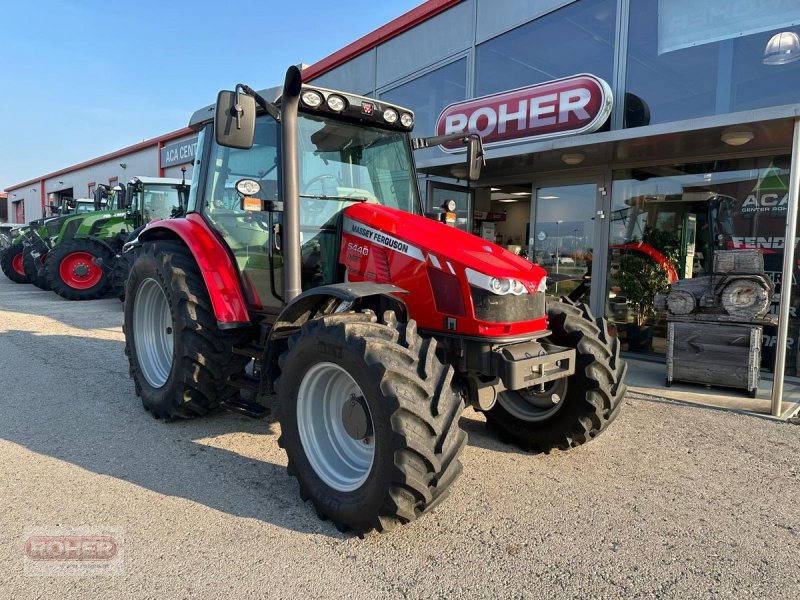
{"x":507,"y":309}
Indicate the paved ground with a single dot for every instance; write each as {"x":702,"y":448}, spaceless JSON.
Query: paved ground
{"x":673,"y":502}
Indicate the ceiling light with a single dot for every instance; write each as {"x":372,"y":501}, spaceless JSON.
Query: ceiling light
{"x":548,"y":197}
{"x":495,"y":189}
{"x":506,"y":200}
{"x":782,"y":48}
{"x":574,"y":158}
{"x":520,"y":193}
{"x":737,"y":136}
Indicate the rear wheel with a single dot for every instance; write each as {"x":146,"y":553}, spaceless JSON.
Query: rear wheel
{"x":369,"y":420}
{"x":32,"y":271}
{"x":574,"y":410}
{"x":180,"y":360}
{"x":11,"y":263}
{"x":72,"y":272}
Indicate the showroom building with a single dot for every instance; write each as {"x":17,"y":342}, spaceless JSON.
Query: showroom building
{"x":677,"y":135}
{"x":609,"y":125}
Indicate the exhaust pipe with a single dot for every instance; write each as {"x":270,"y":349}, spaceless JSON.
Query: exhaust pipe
{"x":291,"y":192}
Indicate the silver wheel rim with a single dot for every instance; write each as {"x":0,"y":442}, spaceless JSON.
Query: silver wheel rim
{"x":340,"y":461}
{"x":532,"y":404}
{"x":152,"y":332}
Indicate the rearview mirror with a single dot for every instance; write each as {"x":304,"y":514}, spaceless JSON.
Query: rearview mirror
{"x":475,"y":157}
{"x":235,"y":120}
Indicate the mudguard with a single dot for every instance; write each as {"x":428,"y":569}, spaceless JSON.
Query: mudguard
{"x":216,"y":266}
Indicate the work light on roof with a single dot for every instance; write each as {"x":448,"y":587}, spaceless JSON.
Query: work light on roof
{"x":311,"y":98}
{"x":336,"y":103}
{"x":407,"y":120}
{"x":390,"y":115}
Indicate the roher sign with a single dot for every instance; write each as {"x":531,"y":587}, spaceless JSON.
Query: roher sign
{"x":577,"y":104}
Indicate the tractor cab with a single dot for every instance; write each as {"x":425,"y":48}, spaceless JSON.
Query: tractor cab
{"x":155,"y":198}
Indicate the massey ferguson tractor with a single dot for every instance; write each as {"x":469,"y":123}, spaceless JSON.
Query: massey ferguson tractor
{"x":304,"y":266}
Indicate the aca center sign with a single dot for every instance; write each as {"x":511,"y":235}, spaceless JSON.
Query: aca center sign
{"x":577,"y":104}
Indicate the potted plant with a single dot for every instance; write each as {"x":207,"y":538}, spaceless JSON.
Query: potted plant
{"x":640,"y":278}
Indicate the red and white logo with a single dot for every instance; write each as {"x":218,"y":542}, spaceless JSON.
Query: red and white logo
{"x":577,"y":104}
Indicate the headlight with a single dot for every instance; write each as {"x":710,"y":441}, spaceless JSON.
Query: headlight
{"x":497,"y":285}
{"x":336,"y":103}
{"x":311,"y":98}
{"x":407,"y":120}
{"x":390,"y":115}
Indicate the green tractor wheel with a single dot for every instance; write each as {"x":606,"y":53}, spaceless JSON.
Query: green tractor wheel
{"x":11,"y":263}
{"x":73,"y":271}
{"x":31,"y":271}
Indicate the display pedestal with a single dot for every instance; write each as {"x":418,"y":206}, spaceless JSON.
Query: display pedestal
{"x":715,"y":350}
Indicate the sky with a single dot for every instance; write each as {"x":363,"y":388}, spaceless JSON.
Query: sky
{"x":81,"y":78}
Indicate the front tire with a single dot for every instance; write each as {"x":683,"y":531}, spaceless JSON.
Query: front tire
{"x":11,"y":261}
{"x":589,"y":400}
{"x":405,"y":409}
{"x":32,"y":273}
{"x":180,"y":360}
{"x":72,"y":272}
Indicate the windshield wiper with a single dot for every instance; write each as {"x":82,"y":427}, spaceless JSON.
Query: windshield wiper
{"x":324,"y":197}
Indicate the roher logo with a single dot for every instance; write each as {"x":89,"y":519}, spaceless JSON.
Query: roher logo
{"x":577,"y":104}
{"x":79,"y":551}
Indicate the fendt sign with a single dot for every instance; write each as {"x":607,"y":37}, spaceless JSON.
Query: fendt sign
{"x":577,"y":104}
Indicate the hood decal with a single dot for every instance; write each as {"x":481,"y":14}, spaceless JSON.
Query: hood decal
{"x":365,"y":232}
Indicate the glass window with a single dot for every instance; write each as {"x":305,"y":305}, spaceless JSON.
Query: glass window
{"x":690,"y":63}
{"x":578,"y":38}
{"x":429,"y":94}
{"x":677,"y":217}
{"x":356,"y":76}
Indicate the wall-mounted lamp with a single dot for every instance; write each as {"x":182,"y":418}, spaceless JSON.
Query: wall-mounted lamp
{"x":574,"y":158}
{"x":782,"y":48}
{"x":737,"y":136}
{"x":33,"y":189}
{"x":123,"y":165}
{"x":60,"y":182}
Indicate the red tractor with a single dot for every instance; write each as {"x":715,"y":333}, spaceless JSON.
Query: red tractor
{"x":305,"y":267}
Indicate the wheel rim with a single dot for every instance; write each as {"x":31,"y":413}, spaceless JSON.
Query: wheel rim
{"x":152,"y":332}
{"x":78,"y":271}
{"x":532,"y":404}
{"x":340,"y":461}
{"x":17,"y":264}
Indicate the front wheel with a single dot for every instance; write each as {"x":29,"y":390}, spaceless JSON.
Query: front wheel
{"x":369,"y":420}
{"x":11,"y":261}
{"x":180,"y":360}
{"x":574,"y":410}
{"x":32,"y":271}
{"x":73,"y":272}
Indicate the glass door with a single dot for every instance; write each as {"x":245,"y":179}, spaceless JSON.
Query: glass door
{"x":565,"y":238}
{"x":438,"y":194}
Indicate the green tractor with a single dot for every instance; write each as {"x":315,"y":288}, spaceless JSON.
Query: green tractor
{"x":13,"y":247}
{"x":79,"y":263}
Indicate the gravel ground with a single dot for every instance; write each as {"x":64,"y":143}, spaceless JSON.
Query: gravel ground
{"x":672,"y":502}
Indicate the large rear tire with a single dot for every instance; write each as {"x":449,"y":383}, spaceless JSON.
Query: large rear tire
{"x":11,"y":261}
{"x":180,"y":360}
{"x":72,"y":272}
{"x":396,"y":458}
{"x":32,"y":273}
{"x":588,"y":401}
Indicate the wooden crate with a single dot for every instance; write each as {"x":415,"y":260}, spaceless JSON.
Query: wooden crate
{"x":724,"y":354}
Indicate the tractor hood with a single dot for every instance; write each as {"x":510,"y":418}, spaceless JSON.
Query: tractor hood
{"x":426,"y":237}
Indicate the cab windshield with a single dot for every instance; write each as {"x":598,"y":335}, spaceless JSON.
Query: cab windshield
{"x":342,"y":162}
